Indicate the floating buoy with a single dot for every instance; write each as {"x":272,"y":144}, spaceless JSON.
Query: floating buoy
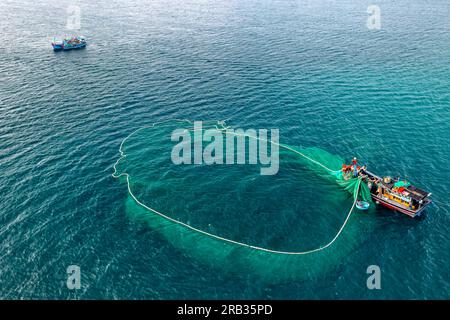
{"x":362,"y":205}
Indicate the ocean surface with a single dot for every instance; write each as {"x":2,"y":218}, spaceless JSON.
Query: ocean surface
{"x":312,"y":69}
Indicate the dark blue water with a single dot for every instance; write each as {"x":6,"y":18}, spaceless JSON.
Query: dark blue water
{"x":312,"y":69}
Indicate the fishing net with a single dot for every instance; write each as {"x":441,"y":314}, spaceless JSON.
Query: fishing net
{"x":283,"y":226}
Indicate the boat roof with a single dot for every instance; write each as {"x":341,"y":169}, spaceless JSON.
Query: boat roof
{"x":416,"y":193}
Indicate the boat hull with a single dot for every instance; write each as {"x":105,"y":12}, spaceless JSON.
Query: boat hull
{"x":392,"y":206}
{"x":57,"y":47}
{"x":74,"y":47}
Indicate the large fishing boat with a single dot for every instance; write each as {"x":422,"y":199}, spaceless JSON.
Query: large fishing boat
{"x":396,"y":194}
{"x":393,"y":193}
{"x":68,"y":43}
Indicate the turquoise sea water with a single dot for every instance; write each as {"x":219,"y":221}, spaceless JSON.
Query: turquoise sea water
{"x":311,"y":69}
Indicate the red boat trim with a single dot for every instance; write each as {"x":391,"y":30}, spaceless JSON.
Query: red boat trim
{"x":396,"y":208}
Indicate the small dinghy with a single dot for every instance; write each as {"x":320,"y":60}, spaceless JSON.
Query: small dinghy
{"x":362,"y":205}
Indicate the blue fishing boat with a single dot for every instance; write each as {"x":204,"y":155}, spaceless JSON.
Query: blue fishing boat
{"x":69,"y":43}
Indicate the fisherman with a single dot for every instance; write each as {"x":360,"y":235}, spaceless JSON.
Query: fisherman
{"x":355,"y":166}
{"x":378,"y":184}
{"x":362,"y":171}
{"x":346,"y":171}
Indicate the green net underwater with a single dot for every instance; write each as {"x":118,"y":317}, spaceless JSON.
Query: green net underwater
{"x":298,"y":223}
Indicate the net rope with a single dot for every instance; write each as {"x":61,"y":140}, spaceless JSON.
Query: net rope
{"x":221,"y":127}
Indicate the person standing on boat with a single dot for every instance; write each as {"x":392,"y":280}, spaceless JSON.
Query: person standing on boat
{"x":355,"y":167}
